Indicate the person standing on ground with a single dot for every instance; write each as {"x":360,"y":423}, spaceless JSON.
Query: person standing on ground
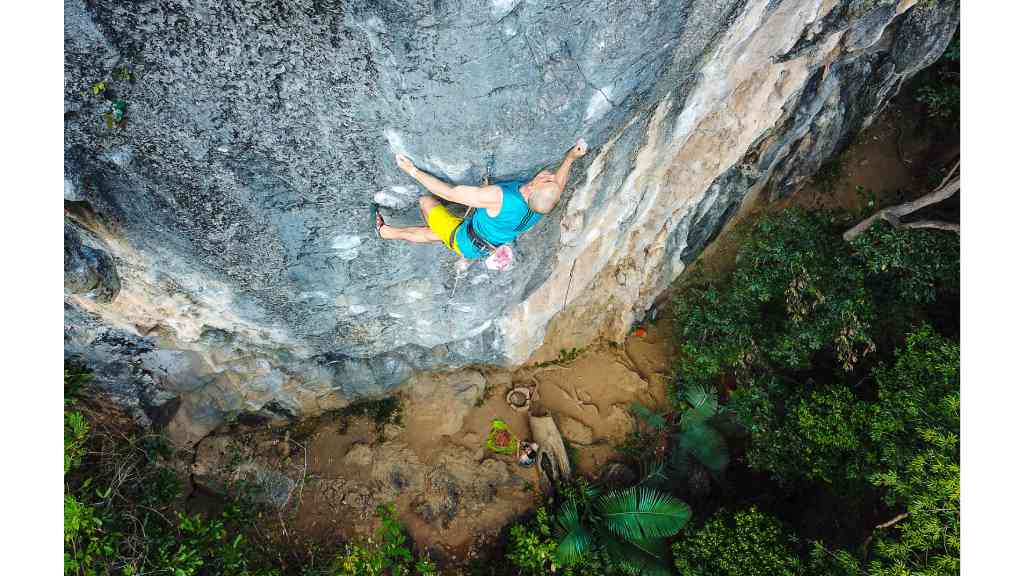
{"x":504,"y":210}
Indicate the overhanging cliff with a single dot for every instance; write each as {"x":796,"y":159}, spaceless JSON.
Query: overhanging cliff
{"x":220,"y":256}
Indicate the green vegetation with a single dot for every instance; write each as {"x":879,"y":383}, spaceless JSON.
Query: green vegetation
{"x":619,"y":532}
{"x":123,"y":512}
{"x":390,"y":556}
{"x":815,"y":421}
{"x":565,"y":357}
{"x":629,"y":525}
{"x":834,"y":362}
{"x":116,"y":110}
{"x":744,"y":543}
{"x":938,"y":88}
{"x":699,"y":443}
{"x":119,"y":506}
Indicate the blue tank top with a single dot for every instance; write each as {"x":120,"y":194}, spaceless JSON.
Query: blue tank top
{"x":514,"y":218}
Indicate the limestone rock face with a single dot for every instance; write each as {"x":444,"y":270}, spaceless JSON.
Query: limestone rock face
{"x":221,"y":257}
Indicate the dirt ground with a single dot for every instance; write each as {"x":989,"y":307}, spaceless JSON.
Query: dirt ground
{"x":453,"y":494}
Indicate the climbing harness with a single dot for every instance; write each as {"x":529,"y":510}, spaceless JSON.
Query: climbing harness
{"x":499,"y":258}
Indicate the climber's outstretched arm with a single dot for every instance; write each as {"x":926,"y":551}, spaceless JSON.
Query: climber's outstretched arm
{"x":486,"y":197}
{"x":577,"y":151}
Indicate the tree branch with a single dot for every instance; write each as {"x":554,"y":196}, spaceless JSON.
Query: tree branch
{"x":936,"y":224}
{"x":894,"y":214}
{"x":893,"y":521}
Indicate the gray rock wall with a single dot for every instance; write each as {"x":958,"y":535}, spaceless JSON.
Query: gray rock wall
{"x":231,"y":263}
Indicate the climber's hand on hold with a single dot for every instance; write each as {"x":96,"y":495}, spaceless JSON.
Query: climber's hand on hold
{"x":579,"y":150}
{"x":405,"y":164}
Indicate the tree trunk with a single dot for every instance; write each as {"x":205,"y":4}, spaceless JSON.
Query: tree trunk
{"x":894,"y":214}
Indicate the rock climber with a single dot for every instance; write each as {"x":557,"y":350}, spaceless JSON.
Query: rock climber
{"x":504,"y":210}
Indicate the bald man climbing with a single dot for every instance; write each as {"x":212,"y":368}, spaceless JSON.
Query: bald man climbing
{"x":503,"y":210}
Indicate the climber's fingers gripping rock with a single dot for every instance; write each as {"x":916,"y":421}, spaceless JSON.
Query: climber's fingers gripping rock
{"x":580,"y":149}
{"x":405,"y":164}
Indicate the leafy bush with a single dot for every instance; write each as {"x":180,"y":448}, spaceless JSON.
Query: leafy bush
{"x":916,"y":424}
{"x":119,"y":516}
{"x":914,"y":430}
{"x":686,"y":450}
{"x":391,"y":556}
{"x":826,"y":433}
{"x":745,"y":543}
{"x":797,"y":324}
{"x":532,"y":545}
{"x":912,"y":268}
{"x":75,"y":430}
{"x":793,"y":294}
{"x":842,"y":385}
{"x":532,"y":551}
{"x":698,"y":441}
{"x":939,"y":87}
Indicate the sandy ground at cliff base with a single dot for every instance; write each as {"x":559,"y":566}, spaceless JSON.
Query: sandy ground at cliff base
{"x":589,"y":395}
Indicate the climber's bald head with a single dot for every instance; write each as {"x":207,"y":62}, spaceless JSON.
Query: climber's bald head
{"x":544,"y":193}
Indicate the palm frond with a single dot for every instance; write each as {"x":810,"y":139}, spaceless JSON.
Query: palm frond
{"x":706,"y":445}
{"x":655,"y":473}
{"x":648,"y":557}
{"x":653,"y":419}
{"x":641,"y":513}
{"x":685,"y":468}
{"x":703,"y":405}
{"x":574,"y":538}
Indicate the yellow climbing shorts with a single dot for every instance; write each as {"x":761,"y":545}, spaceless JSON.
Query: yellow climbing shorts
{"x":443,"y":223}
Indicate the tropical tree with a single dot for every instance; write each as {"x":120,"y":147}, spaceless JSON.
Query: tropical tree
{"x":631,"y":526}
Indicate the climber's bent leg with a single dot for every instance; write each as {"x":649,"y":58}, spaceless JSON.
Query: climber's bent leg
{"x":418,"y":234}
{"x":427,"y":203}
{"x":442,"y":222}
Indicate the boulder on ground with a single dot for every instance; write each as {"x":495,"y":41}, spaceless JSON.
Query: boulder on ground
{"x":443,"y":399}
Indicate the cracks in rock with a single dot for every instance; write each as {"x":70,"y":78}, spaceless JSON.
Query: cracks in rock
{"x":568,"y":286}
{"x":490,"y":52}
{"x":533,"y":58}
{"x":513,"y":12}
{"x":586,"y":80}
{"x":636,"y":207}
{"x":499,"y":89}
